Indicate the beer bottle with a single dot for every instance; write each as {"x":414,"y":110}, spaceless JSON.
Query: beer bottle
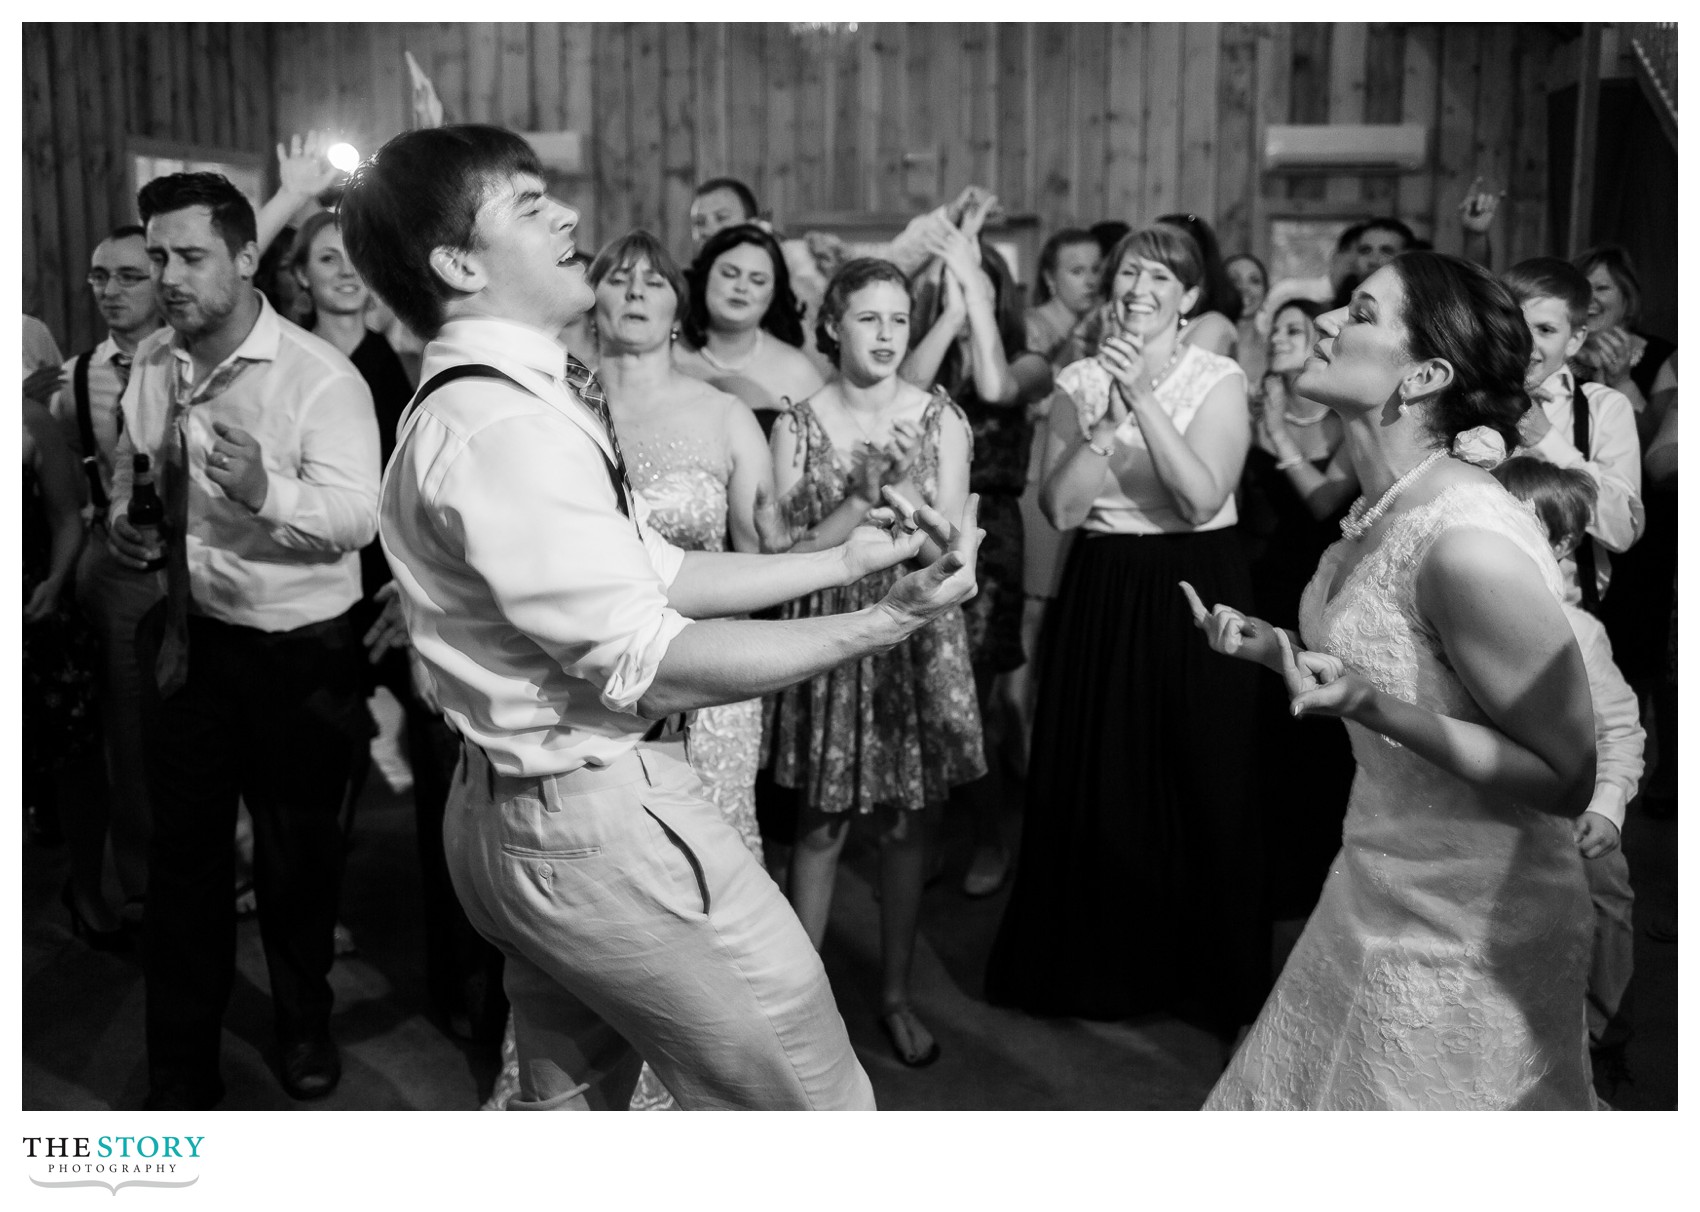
{"x":147,"y":512}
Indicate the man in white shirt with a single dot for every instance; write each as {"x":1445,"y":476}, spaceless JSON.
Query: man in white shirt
{"x":266,"y":447}
{"x":1554,"y":296}
{"x":554,"y":626}
{"x":112,"y":596}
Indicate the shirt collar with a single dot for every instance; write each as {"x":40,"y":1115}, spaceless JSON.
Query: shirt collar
{"x":261,"y":343}
{"x":530,"y":347}
{"x":106,"y":350}
{"x":1559,"y":383}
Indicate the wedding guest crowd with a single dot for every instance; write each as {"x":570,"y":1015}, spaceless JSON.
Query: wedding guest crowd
{"x":1155,"y":439}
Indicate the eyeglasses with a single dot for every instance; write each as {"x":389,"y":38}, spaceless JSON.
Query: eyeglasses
{"x":129,"y":279}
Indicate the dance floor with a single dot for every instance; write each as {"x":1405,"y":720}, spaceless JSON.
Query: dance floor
{"x":82,"y":1010}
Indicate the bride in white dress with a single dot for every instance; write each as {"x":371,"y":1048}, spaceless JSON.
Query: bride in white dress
{"x":1445,"y":964}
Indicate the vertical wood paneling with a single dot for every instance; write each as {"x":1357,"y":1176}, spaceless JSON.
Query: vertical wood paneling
{"x":1125,"y":125}
{"x":1420,"y":102}
{"x":1164,"y":52}
{"x":846,"y":151}
{"x":68,"y":137}
{"x":1015,"y":85}
{"x":781,"y":160}
{"x":981,"y":101}
{"x":1053,"y":53}
{"x":678,"y":146}
{"x":1383,"y":77}
{"x":1348,"y":60}
{"x":888,"y":91}
{"x":1072,"y":123}
{"x":1308,"y":97}
{"x":392,"y":91}
{"x":812,"y":108}
{"x":1526,"y":191}
{"x":1091,"y":124}
{"x":1460,"y":85}
{"x":50,"y":286}
{"x":1495,"y":116}
{"x":614,"y":186}
{"x":713,"y":50}
{"x":644,"y":93}
{"x":513,"y":107}
{"x":1236,"y":165}
{"x":1200,"y":73}
{"x":577,"y":58}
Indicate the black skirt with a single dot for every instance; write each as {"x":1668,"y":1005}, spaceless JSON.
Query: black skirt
{"x":1139,"y":882}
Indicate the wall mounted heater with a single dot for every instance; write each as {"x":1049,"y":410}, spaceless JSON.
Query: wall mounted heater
{"x":1335,"y":149}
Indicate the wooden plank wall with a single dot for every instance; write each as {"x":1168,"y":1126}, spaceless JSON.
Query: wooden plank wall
{"x":1070,"y":122}
{"x":87,"y":89}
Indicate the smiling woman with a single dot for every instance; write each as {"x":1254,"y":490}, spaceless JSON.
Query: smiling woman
{"x":1135,"y":827}
{"x":743,"y":326}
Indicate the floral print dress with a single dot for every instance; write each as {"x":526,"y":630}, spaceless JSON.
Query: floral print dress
{"x":898,"y":729}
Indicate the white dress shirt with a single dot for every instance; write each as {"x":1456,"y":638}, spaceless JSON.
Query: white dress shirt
{"x":538,"y":610}
{"x":1618,"y":736}
{"x":1613,"y":458}
{"x":103,"y":409}
{"x":1133,"y":499}
{"x":296,"y":561}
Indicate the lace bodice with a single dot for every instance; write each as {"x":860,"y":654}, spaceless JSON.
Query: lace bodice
{"x":1133,"y":499}
{"x":684,"y":481}
{"x":1372,"y":622}
{"x":1445,"y":964}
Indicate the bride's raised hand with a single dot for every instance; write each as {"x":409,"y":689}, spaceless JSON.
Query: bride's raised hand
{"x":1319,"y":684}
{"x":1234,"y":634}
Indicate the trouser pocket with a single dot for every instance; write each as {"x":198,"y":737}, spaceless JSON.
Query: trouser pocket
{"x":682,"y":861}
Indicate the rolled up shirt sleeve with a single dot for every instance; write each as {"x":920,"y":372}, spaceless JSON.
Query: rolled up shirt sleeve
{"x":538,"y":520}
{"x":331,"y":502}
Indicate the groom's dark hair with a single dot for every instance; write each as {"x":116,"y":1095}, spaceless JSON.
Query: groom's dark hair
{"x":419,"y":192}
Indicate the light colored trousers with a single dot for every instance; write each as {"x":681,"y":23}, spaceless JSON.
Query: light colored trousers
{"x":1613,"y":961}
{"x":637,"y":926}
{"x":114,"y":598}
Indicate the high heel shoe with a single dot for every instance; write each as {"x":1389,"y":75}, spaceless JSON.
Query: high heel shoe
{"x":101,"y":940}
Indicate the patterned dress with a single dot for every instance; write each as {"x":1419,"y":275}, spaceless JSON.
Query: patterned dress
{"x":898,"y":729}
{"x":1445,"y":964}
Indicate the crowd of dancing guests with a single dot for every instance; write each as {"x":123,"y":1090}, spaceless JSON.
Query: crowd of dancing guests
{"x":1162,"y":441}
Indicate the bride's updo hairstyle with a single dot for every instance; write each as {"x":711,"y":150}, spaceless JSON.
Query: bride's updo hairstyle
{"x":850,"y":278}
{"x":1458,"y":312}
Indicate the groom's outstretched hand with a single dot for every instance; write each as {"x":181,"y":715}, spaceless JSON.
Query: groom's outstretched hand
{"x":948,"y":581}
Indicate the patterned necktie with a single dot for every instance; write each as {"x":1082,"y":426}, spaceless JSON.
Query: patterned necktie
{"x":171,"y":670}
{"x":588,"y":388}
{"x":121,"y":363}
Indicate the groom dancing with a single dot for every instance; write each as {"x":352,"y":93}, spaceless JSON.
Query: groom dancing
{"x":554,"y":626}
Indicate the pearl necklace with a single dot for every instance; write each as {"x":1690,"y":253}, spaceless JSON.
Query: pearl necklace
{"x":1304,"y":422}
{"x":1169,"y":365}
{"x":1357,"y":522}
{"x":731,"y":367}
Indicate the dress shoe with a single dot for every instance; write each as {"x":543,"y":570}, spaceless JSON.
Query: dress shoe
{"x":310,"y":1068}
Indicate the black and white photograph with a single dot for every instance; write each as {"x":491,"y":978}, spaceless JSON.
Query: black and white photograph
{"x":843,"y":565}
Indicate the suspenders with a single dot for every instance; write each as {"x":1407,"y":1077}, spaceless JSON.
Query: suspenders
{"x":1587,"y":576}
{"x":478,"y":370}
{"x":85,"y":431}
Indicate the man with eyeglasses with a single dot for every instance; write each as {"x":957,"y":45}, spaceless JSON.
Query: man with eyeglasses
{"x":112,"y":596}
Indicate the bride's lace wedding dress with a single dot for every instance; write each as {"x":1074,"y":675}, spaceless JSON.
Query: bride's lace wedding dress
{"x":1445,"y":964}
